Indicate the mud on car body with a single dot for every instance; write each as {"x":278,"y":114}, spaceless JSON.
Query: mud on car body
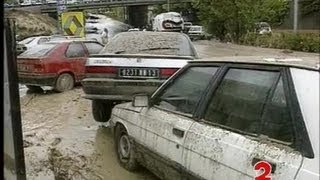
{"x":57,"y":64}
{"x":133,"y":63}
{"x":216,"y":119}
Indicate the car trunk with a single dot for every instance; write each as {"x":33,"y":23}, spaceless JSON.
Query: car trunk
{"x":134,"y":66}
{"x":30,"y":65}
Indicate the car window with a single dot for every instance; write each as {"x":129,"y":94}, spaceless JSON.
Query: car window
{"x":150,"y":43}
{"x":38,"y":50}
{"x":184,"y":93}
{"x":277,"y":123}
{"x":27,"y":40}
{"x":93,"y":48}
{"x":43,"y":40}
{"x":239,"y":100}
{"x":75,"y":50}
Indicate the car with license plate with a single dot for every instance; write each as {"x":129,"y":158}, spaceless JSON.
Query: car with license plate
{"x":217,"y":118}
{"x":197,"y":32}
{"x":59,"y":65}
{"x":133,"y":63}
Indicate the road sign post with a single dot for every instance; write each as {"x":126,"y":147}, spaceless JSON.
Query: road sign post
{"x":59,"y":11}
{"x":73,"y":23}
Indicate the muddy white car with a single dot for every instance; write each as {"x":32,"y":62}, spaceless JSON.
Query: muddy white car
{"x":131,"y":63}
{"x":217,"y":119}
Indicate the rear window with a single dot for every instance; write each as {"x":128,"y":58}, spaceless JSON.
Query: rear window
{"x":39,"y":50}
{"x":150,"y":43}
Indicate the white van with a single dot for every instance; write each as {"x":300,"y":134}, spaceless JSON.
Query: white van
{"x":170,"y":21}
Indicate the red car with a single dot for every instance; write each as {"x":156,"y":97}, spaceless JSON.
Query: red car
{"x":56,"y":64}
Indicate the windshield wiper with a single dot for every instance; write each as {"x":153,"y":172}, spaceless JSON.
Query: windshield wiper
{"x":150,"y":49}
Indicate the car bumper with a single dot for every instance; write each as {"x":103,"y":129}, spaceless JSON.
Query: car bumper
{"x":118,"y":89}
{"x":37,"y":79}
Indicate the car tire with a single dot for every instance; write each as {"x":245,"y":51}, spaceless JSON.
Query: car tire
{"x":64,"y":82}
{"x":125,"y":149}
{"x":34,"y":88}
{"x":101,"y":110}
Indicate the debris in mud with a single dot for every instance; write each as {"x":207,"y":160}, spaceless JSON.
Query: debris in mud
{"x":27,"y":144}
{"x":56,"y":141}
{"x":67,"y":168}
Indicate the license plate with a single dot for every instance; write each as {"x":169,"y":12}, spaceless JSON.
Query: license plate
{"x":138,"y":72}
{"x":23,"y":67}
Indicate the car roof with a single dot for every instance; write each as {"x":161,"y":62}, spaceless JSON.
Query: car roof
{"x":71,"y":40}
{"x":310,"y":63}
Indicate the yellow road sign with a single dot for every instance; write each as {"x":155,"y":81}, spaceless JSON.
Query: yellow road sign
{"x":73,"y":23}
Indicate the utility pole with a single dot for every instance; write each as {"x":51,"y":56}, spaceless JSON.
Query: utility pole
{"x":295,"y":15}
{"x":168,"y":5}
{"x":59,"y":11}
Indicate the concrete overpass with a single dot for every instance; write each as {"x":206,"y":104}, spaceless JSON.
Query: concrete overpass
{"x":137,"y":10}
{"x":108,"y":3}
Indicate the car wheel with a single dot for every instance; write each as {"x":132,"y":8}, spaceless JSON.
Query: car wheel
{"x":64,"y":82}
{"x":101,"y":110}
{"x":124,"y":149}
{"x":34,"y":88}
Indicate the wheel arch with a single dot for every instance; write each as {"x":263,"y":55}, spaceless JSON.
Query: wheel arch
{"x":68,"y":72}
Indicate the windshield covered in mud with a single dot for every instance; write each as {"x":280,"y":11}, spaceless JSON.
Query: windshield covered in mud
{"x":39,"y":50}
{"x":149,"y":43}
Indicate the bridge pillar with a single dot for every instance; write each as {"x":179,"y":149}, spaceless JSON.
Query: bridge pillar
{"x":137,"y":15}
{"x":54,"y":15}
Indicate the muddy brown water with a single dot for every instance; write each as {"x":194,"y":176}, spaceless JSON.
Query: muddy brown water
{"x":62,"y":141}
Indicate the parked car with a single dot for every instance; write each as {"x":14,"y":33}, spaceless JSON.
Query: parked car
{"x":58,"y":64}
{"x":170,"y":21}
{"x":197,"y":32}
{"x":133,"y":63}
{"x":215,"y":119}
{"x":263,"y":28}
{"x":187,"y":26}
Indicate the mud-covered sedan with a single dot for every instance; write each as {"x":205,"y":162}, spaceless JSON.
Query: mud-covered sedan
{"x":218,"y":119}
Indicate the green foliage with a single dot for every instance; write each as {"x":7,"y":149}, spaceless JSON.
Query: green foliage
{"x":233,"y":18}
{"x":307,"y":42}
{"x":310,"y":6}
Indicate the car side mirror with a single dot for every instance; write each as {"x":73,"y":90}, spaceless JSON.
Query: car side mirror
{"x":141,"y":100}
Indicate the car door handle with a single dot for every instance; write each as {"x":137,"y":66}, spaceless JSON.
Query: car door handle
{"x":273,"y":166}
{"x":178,"y":132}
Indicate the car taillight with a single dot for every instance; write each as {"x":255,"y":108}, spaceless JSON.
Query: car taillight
{"x":167,"y":72}
{"x":38,"y":68}
{"x":101,"y":69}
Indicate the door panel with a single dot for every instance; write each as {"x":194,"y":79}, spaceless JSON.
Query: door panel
{"x":164,"y":132}
{"x":215,"y":153}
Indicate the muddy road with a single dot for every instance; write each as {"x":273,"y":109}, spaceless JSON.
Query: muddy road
{"x":62,"y":141}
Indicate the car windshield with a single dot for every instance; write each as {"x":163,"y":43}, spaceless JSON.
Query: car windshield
{"x":39,"y":50}
{"x":149,"y":43}
{"x":27,"y":41}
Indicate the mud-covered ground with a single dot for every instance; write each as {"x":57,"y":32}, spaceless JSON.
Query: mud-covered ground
{"x":62,"y":141}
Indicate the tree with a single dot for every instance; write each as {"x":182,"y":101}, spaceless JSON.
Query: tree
{"x":310,"y":6}
{"x":237,"y":17}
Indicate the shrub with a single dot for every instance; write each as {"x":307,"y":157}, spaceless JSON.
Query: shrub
{"x":307,"y":42}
